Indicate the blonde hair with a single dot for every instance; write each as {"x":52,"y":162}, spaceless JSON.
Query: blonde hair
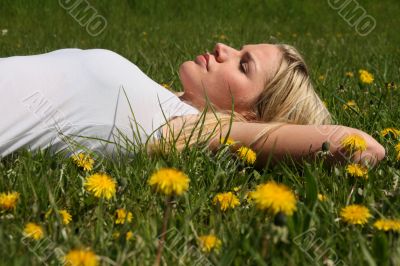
{"x":288,"y":98}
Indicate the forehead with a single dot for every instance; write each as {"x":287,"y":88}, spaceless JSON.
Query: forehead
{"x":267,"y":57}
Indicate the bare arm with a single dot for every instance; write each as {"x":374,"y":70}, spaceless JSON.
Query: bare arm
{"x":297,"y":141}
{"x":302,"y":141}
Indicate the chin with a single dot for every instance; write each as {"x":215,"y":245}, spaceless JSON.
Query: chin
{"x":188,"y":72}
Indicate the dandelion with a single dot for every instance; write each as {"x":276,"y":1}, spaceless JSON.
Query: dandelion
{"x":166,"y":85}
{"x":227,"y":141}
{"x":79,"y":257}
{"x":322,"y":197}
{"x":397,"y":147}
{"x":169,"y":181}
{"x":101,"y":185}
{"x":390,"y":132}
{"x":34,"y":231}
{"x":274,"y":197}
{"x":129,"y":235}
{"x":321,"y":77}
{"x":9,"y":200}
{"x":247,"y":155}
{"x":349,"y":74}
{"x":388,"y":225}
{"x":226,"y":200}
{"x":365,"y":76}
{"x":84,"y":161}
{"x":353,"y":143}
{"x":355,"y":214}
{"x":357,"y":170}
{"x":66,"y":216}
{"x":209,"y":243}
{"x":123,"y":216}
{"x":350,"y":104}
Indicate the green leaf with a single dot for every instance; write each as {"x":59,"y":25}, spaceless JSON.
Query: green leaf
{"x":380,"y":249}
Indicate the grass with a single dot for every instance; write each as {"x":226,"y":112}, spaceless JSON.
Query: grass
{"x":158,"y":36}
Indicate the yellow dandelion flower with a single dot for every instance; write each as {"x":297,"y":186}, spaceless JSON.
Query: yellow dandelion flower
{"x":228,"y":142}
{"x":322,"y":197}
{"x":388,"y":225}
{"x":34,"y":231}
{"x":123,"y":216}
{"x":357,"y":170}
{"x":101,"y":185}
{"x":209,"y":243}
{"x":84,"y":161}
{"x":274,"y":197}
{"x":9,"y":200}
{"x":397,"y":147}
{"x":66,"y":216}
{"x":129,"y":235}
{"x":355,"y":214}
{"x":226,"y":200}
{"x":349,"y":74}
{"x":166,"y":85}
{"x":365,"y":76}
{"x":325,"y":103}
{"x":350,"y":103}
{"x":169,"y":181}
{"x":79,"y":257}
{"x":247,"y":155}
{"x":321,"y":77}
{"x":390,"y":131}
{"x":354,"y":143}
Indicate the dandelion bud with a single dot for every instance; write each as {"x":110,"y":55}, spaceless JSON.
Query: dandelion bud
{"x":325,"y":146}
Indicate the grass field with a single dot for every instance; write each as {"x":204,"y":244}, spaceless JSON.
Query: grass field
{"x":158,"y":36}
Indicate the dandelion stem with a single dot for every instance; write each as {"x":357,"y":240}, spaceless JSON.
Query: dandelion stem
{"x":351,"y":193}
{"x":163,"y":231}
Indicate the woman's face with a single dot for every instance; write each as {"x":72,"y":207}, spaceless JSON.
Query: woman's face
{"x":226,"y":73}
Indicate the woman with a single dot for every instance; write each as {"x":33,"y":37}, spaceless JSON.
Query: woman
{"x":99,"y":100}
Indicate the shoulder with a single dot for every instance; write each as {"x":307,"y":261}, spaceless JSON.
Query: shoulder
{"x":103,"y":54}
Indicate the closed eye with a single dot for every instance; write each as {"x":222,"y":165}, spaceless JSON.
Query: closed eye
{"x":244,"y":66}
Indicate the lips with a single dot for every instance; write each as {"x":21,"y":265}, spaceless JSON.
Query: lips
{"x":203,"y":60}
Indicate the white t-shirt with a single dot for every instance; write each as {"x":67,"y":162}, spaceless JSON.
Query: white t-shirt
{"x":87,"y":97}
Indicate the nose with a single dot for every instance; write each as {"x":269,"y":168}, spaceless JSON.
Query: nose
{"x":222,"y":52}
